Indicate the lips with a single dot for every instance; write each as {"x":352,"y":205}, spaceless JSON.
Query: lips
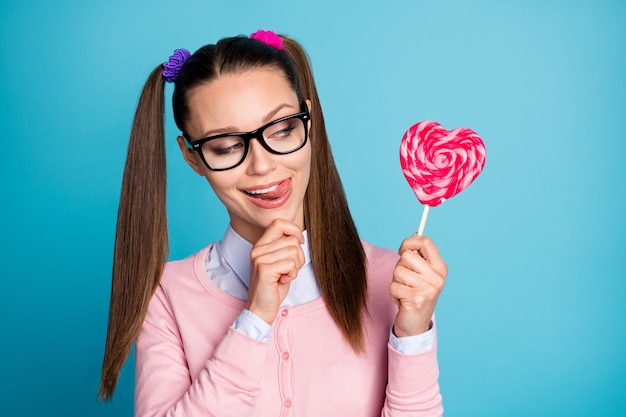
{"x":269,"y":195}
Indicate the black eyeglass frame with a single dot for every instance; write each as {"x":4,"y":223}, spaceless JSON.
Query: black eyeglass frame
{"x":197,"y":144}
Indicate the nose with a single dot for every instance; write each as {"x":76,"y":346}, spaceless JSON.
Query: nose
{"x":260,"y":161}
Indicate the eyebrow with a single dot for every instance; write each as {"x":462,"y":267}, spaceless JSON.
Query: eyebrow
{"x":265,"y":119}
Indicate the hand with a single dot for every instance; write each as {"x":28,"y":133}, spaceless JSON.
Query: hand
{"x":274,"y":262}
{"x":418,"y":279}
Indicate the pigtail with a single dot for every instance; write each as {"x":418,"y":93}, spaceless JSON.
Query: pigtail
{"x":336,"y":250}
{"x":141,"y":242}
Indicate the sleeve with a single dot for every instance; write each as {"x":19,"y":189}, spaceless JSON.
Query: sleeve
{"x":227,"y":386}
{"x":412,"y":386}
{"x":252,"y":326}
{"x":413,"y":344}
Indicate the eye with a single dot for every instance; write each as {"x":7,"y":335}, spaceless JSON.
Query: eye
{"x":224,"y":146}
{"x":280,"y":130}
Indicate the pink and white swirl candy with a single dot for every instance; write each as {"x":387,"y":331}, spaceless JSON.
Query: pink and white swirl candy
{"x":438,"y":163}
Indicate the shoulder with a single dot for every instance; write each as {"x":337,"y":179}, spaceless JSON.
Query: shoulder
{"x":380,"y":263}
{"x":379,"y":258}
{"x":177,"y":273}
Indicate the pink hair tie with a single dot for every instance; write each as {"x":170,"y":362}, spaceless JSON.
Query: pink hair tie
{"x":269,"y":38}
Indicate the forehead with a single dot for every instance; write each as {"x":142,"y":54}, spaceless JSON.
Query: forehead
{"x":239,"y":100}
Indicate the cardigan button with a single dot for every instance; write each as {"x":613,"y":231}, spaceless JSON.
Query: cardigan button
{"x":284,"y":313}
{"x":285,"y":356}
{"x":288,"y":403}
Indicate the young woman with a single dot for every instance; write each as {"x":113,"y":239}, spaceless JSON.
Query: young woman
{"x":290,"y":313}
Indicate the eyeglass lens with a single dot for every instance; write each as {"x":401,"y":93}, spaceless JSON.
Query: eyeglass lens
{"x":282,"y":137}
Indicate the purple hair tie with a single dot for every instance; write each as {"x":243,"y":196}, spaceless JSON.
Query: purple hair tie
{"x":269,"y":38}
{"x":172,"y":67}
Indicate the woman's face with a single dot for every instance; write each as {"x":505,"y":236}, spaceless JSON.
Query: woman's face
{"x":265,"y":186}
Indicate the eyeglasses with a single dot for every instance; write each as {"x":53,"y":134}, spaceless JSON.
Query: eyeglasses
{"x":228,"y":150}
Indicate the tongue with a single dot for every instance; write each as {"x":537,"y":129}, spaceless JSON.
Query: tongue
{"x":278,"y":192}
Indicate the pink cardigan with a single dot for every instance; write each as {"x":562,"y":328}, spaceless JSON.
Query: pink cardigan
{"x":190,"y":362}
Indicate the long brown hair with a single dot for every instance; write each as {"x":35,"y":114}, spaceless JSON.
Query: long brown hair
{"x":141,"y":242}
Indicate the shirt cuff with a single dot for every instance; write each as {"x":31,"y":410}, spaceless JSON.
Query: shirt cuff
{"x":412,"y":345}
{"x":252,"y":326}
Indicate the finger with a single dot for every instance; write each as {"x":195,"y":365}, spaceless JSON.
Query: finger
{"x":262,"y":249}
{"x":286,"y":247}
{"x":283,"y":274}
{"x":279,"y":228}
{"x":428,"y":251}
{"x":408,"y":297}
{"x":400,"y":292}
{"x":289,"y":269}
{"x":425,"y":283}
{"x":408,"y":277}
{"x":394,"y":292}
{"x":414,"y":261}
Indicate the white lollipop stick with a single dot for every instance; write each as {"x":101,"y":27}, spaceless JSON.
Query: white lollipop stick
{"x":420,"y":231}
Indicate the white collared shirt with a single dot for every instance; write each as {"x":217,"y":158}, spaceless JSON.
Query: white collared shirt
{"x":228,"y":265}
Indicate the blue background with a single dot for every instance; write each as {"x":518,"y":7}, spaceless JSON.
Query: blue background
{"x":531,"y":322}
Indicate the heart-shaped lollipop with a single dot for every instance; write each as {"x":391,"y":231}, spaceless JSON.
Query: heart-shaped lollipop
{"x":438,"y":163}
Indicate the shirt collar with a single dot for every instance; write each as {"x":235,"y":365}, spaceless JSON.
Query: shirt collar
{"x":236,"y":251}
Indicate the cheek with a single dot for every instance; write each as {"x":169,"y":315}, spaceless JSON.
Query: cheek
{"x":221,"y":184}
{"x":304,"y":166}
{"x":308,"y":159}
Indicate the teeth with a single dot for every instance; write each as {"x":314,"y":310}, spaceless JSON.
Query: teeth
{"x":264,"y":190}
